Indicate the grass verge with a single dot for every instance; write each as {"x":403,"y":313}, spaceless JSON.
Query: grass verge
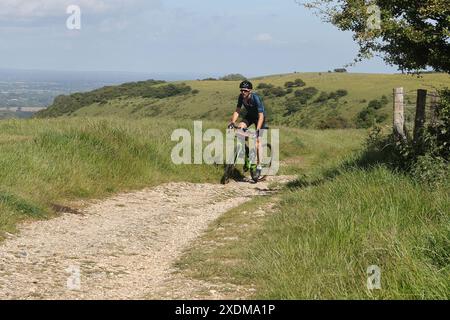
{"x":323,"y":233}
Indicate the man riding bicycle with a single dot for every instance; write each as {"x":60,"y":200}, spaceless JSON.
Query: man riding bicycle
{"x":255,"y":115}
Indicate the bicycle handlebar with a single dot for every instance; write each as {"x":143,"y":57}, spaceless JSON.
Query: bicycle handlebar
{"x":242,"y":131}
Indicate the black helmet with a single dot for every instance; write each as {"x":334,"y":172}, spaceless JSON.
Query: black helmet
{"x":246,"y":85}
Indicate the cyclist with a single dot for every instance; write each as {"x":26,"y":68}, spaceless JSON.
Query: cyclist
{"x":255,"y":115}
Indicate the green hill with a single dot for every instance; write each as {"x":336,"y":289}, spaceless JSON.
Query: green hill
{"x":326,"y":100}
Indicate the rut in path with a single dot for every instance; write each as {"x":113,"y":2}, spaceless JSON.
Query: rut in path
{"x":124,"y":246}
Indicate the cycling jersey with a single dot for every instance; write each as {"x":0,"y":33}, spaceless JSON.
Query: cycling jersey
{"x":253,"y":107}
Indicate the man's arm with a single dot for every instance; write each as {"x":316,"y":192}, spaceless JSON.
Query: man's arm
{"x":235,"y":115}
{"x":260,"y":120}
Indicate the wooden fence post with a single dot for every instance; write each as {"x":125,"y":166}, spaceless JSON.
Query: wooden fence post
{"x":399,"y":116}
{"x":433,"y":108}
{"x":420,"y":114}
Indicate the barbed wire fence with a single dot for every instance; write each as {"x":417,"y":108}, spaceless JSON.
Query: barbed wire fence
{"x":413,"y":110}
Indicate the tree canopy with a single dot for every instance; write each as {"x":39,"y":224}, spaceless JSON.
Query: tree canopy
{"x":411,"y":34}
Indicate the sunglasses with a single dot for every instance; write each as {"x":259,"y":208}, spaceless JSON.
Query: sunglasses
{"x":244,"y":90}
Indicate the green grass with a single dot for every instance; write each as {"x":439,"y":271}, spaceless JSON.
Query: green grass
{"x":324,"y":230}
{"x":327,"y":228}
{"x":61,"y":160}
{"x":324,"y":238}
{"x":217,"y":99}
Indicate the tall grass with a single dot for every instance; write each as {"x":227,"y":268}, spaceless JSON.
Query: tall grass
{"x":342,"y":215}
{"x":58,"y":161}
{"x":324,"y":238}
{"x":43,"y":162}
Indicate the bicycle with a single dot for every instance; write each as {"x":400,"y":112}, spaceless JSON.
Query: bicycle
{"x":249,"y":159}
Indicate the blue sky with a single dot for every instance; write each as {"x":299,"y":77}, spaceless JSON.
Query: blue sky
{"x":253,"y":37}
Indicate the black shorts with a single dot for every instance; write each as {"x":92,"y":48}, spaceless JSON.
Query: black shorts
{"x":249,"y":121}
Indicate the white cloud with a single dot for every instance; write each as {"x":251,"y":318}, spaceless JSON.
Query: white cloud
{"x":264,"y":37}
{"x":29,"y":9}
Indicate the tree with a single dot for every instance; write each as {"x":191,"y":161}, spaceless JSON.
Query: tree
{"x":411,"y":34}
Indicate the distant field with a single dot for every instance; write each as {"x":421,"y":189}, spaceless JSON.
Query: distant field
{"x":216,"y":100}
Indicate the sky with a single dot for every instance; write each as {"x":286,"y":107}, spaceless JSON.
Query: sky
{"x":253,"y":37}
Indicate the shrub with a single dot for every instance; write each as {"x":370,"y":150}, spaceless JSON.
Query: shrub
{"x":233,"y":77}
{"x":309,"y":92}
{"x":366,"y":118}
{"x":341,"y":93}
{"x":263,"y":85}
{"x":323,"y":97}
{"x":274,"y":91}
{"x":430,"y":169}
{"x":375,"y":104}
{"x":289,"y":84}
{"x":334,"y":122}
{"x":147,"y":89}
{"x":293,"y":105}
{"x":426,"y":160}
{"x":299,"y":83}
{"x":333,"y":95}
{"x":340,"y":70}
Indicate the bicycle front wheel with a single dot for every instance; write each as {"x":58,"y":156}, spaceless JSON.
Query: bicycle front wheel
{"x":266,"y":163}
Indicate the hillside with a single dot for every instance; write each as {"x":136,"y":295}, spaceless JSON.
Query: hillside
{"x":325,"y":100}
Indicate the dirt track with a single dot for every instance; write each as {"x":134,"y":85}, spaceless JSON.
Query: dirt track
{"x":124,"y":247}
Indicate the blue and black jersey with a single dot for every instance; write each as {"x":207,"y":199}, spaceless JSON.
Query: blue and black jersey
{"x":253,"y":107}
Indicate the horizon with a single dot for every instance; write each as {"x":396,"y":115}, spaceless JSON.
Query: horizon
{"x":193,"y":75}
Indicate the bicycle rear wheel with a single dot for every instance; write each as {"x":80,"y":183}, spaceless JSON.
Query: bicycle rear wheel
{"x":229,"y":170}
{"x":227,"y":173}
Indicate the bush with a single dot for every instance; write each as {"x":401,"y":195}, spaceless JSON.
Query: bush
{"x":274,"y":91}
{"x":195,"y":91}
{"x":299,"y":83}
{"x":366,"y":118}
{"x":292,"y":106}
{"x":295,"y":83}
{"x":147,"y":89}
{"x":332,"y":96}
{"x":436,"y":138}
{"x":289,"y":84}
{"x":341,"y":93}
{"x":335,"y":122}
{"x":308,"y":92}
{"x":430,"y":169}
{"x":263,"y":85}
{"x":323,"y":97}
{"x":375,"y":104}
{"x":340,"y":70}
{"x":427,"y":160}
{"x":233,"y":77}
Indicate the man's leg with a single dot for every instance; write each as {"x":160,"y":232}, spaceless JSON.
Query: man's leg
{"x":244,"y":125}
